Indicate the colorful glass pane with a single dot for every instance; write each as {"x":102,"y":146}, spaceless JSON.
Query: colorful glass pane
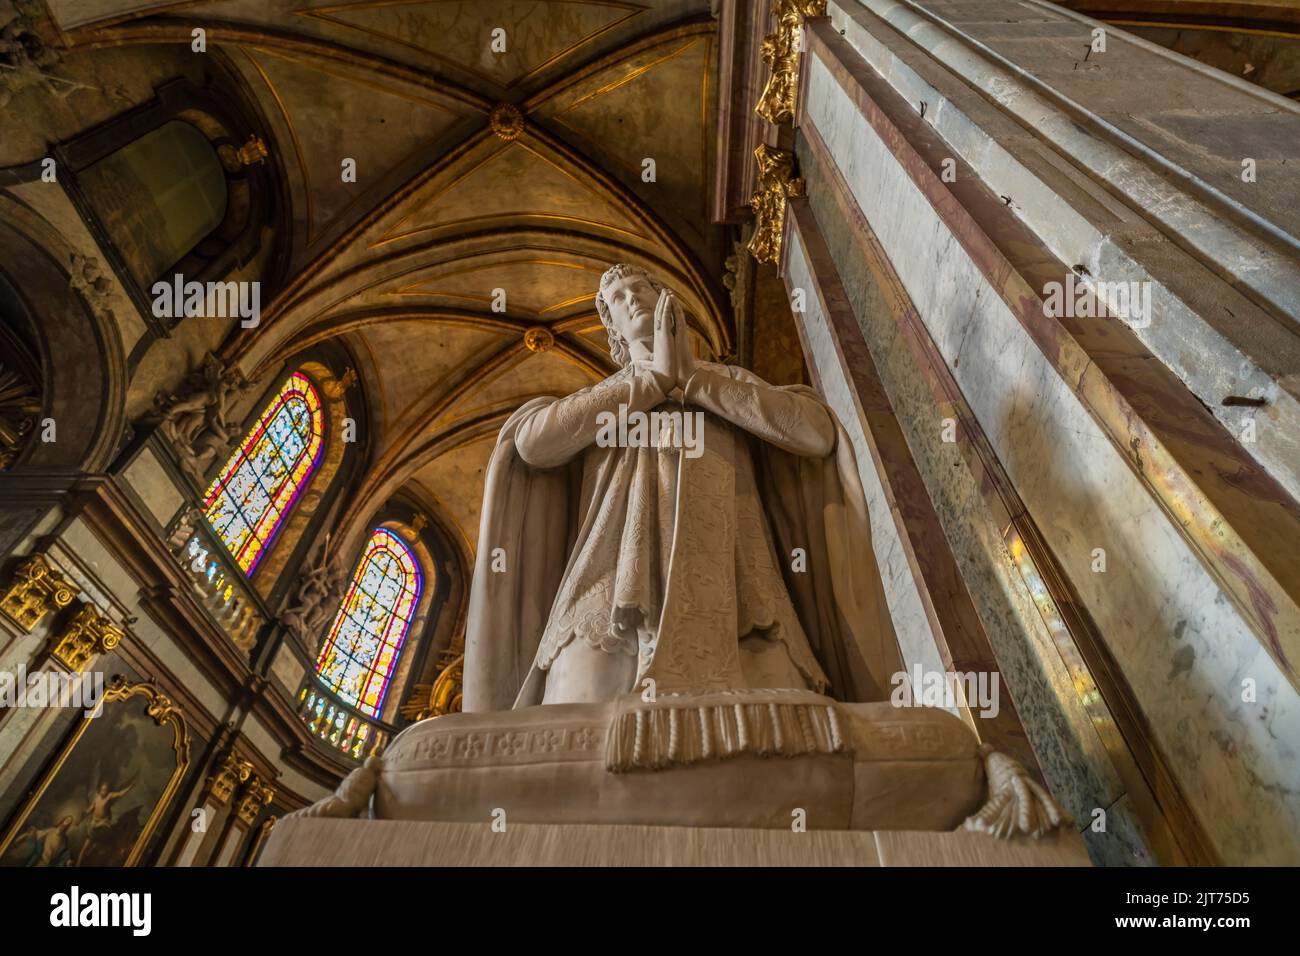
{"x":257,"y":488}
{"x":360,"y":654}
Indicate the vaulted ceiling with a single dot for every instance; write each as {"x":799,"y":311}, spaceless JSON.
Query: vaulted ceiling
{"x":517,"y":161}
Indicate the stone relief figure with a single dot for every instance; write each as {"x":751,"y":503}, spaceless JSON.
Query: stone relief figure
{"x":745,"y":562}
{"x":27,"y":57}
{"x":196,"y":423}
{"x":317,"y":597}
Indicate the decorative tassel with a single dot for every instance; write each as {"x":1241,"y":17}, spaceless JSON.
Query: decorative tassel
{"x":679,"y":732}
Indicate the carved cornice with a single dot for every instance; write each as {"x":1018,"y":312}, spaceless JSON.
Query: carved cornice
{"x":776,"y":183}
{"x":781,"y":52}
{"x":35,"y":590}
{"x":116,"y":518}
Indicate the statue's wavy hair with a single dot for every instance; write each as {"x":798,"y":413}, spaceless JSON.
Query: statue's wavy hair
{"x":617,"y":347}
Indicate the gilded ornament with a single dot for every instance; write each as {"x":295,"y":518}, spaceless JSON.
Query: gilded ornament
{"x":256,"y":795}
{"x":781,"y":52}
{"x":442,"y":697}
{"x":233,"y":771}
{"x":334,"y":388}
{"x":777,"y":183}
{"x":36,"y":589}
{"x":539,"y":339}
{"x":254,"y":151}
{"x":87,"y":635}
{"x":506,"y":121}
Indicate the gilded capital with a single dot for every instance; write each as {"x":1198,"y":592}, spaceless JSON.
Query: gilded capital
{"x":781,"y":52}
{"x":256,"y":795}
{"x":87,"y":635}
{"x":254,"y":151}
{"x":233,"y":771}
{"x":35,"y":590}
{"x":776,"y":183}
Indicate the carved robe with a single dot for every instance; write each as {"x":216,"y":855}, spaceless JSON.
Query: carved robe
{"x":614,"y":564}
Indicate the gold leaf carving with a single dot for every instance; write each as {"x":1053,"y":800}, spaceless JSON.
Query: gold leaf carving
{"x":781,"y":52}
{"x":777,"y":183}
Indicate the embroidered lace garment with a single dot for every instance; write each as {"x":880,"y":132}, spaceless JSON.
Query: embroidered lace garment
{"x":674,"y":563}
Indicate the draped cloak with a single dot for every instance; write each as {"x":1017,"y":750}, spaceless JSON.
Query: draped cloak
{"x":698,"y":551}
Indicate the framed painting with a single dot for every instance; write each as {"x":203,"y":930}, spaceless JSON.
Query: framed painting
{"x":100,"y":801}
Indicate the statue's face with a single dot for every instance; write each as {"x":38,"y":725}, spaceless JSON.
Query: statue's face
{"x":631,"y":301}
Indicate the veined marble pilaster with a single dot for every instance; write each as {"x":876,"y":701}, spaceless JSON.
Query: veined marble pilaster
{"x":1181,"y":644}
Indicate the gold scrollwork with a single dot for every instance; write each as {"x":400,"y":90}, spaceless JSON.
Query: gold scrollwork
{"x":776,"y":183}
{"x":87,"y":635}
{"x":36,"y":590}
{"x":781,"y":52}
{"x":254,"y":151}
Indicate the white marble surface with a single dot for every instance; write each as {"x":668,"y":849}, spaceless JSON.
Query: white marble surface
{"x":1200,"y":355}
{"x":1179,"y":641}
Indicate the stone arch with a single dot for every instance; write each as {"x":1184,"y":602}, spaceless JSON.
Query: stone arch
{"x":75,"y":340}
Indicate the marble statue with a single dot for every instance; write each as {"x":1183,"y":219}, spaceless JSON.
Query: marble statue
{"x":741,"y":561}
{"x":679,"y":624}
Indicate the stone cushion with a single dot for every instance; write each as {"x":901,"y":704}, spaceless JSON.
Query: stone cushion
{"x":894,"y":769}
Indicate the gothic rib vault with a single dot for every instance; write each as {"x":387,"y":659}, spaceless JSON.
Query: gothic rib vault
{"x":523,"y":172}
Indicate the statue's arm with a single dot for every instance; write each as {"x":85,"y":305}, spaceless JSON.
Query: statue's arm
{"x":792,"y":420}
{"x":557,"y":432}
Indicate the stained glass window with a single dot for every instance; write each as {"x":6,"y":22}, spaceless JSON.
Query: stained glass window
{"x":360,"y":654}
{"x":256,"y":489}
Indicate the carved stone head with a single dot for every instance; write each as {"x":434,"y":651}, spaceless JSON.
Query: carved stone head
{"x":626,"y":303}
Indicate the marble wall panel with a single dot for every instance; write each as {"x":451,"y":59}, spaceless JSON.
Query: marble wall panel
{"x":1180,"y":643}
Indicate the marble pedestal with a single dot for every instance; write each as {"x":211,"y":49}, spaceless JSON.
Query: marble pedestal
{"x":738,"y":777}
{"x":840,"y":766}
{"x":303,"y":841}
